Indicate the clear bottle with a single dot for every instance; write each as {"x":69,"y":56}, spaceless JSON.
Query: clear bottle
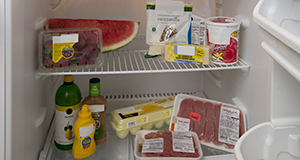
{"x":84,"y":130}
{"x":97,"y":104}
{"x":67,"y":106}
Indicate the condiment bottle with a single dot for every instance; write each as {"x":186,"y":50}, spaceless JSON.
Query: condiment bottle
{"x":97,"y":104}
{"x":84,"y":130}
{"x":67,"y":105}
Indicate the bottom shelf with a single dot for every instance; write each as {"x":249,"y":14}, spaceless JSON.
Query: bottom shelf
{"x":119,"y":149}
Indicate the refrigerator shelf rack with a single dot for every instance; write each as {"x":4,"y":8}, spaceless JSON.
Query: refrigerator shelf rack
{"x":130,"y":59}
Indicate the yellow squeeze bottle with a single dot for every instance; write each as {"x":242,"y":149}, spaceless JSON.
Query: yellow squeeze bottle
{"x":84,"y":130}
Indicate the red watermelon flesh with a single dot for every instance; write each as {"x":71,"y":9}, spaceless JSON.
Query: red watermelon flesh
{"x":115,"y":33}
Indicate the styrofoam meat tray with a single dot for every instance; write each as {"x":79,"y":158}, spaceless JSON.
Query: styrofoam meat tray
{"x":217,"y":124}
{"x":142,"y":156}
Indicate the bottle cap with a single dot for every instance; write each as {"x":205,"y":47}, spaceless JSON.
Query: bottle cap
{"x":94,"y":80}
{"x":68,"y":78}
{"x":84,"y":112}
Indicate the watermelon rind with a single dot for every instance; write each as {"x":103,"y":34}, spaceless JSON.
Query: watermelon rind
{"x":124,"y":42}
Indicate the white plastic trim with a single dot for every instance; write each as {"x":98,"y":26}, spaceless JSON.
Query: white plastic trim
{"x":257,"y":140}
{"x":294,"y":145}
{"x":292,"y":68}
{"x":2,"y":80}
{"x":286,"y":37}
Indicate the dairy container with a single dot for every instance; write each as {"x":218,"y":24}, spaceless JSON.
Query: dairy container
{"x":223,"y":34}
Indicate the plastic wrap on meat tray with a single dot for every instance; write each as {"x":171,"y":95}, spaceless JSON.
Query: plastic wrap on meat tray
{"x":142,"y":116}
{"x":217,"y":124}
{"x":167,"y":145}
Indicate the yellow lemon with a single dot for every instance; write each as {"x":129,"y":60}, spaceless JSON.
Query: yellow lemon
{"x":68,"y":134}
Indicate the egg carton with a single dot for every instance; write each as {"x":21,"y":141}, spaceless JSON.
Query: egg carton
{"x":141,"y":117}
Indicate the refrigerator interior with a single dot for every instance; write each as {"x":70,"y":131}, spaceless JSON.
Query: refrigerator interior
{"x":30,"y":95}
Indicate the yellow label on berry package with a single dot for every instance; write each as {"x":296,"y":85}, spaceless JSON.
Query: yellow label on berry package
{"x":188,"y":53}
{"x":63,"y":46}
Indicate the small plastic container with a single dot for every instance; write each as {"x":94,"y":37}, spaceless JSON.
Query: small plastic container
{"x":143,"y":116}
{"x":223,"y":33}
{"x":218,"y":125}
{"x":68,"y":49}
{"x":141,"y":137}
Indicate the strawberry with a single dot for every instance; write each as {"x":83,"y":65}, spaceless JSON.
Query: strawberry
{"x":91,"y":51}
{"x":81,"y":43}
{"x":62,"y":63}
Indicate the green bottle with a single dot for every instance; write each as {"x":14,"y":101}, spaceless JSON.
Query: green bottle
{"x":67,"y":106}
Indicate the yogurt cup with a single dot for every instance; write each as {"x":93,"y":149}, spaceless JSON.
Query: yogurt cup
{"x":223,"y":34}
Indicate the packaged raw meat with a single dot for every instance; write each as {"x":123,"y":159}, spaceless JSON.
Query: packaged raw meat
{"x":217,"y":124}
{"x":67,"y":49}
{"x":167,"y":145}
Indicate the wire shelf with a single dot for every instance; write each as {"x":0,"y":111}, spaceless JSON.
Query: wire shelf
{"x":130,"y":59}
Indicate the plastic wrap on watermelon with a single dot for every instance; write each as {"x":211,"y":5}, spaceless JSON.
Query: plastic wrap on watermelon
{"x":67,"y":49}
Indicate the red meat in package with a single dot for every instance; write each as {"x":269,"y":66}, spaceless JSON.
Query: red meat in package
{"x":167,"y":144}
{"x":217,"y":124}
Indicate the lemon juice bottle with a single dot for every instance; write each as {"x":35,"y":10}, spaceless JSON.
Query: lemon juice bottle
{"x":67,"y":106}
{"x":84,"y":130}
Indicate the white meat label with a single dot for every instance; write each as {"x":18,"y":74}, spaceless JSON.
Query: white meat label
{"x":155,"y":145}
{"x":183,"y":142}
{"x":229,"y":125}
{"x":181,"y":124}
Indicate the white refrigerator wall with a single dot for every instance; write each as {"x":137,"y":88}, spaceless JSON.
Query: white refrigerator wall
{"x":30,"y":101}
{"x":251,"y":87}
{"x":27,"y":119}
{"x":2,"y":80}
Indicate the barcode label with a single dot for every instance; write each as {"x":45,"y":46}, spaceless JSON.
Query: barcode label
{"x":155,"y":145}
{"x":131,"y":124}
{"x":229,"y":125}
{"x":183,"y":142}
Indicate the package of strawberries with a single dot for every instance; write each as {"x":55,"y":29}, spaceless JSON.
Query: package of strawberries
{"x":68,"y":49}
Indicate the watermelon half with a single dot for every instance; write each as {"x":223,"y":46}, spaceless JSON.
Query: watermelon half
{"x":115,"y":33}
